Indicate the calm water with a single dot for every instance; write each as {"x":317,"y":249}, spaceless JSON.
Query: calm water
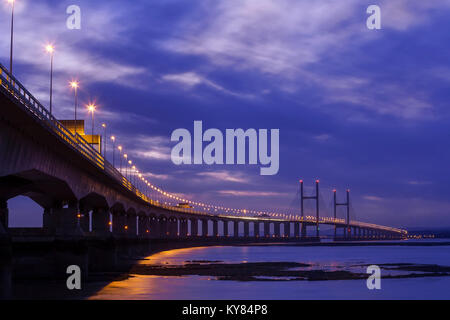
{"x":329,"y":258}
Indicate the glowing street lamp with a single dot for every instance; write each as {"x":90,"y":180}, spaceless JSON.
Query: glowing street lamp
{"x":74,"y":85}
{"x":91,"y":108}
{"x":51,"y":50}
{"x":120,"y":156}
{"x":113,"y":139}
{"x":129,"y":169}
{"x":11,"y":2}
{"x":104,"y":136}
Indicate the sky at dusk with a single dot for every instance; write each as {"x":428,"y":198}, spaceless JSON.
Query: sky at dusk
{"x":358,"y":108}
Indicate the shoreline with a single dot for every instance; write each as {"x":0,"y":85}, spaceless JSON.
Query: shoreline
{"x":54,"y":289}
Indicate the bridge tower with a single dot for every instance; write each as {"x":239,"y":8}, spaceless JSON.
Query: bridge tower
{"x":346,"y":204}
{"x":302,"y":200}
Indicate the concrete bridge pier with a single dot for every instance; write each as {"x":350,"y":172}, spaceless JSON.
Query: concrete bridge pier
{"x":296,"y":229}
{"x":194,"y":227}
{"x":5,"y":267}
{"x":256,"y":229}
{"x":236,"y":229}
{"x":287,"y":229}
{"x":266,"y":229}
{"x":118,"y":222}
{"x":215,"y":228}
{"x":84,"y":220}
{"x":100,"y":222}
{"x":204,"y":228}
{"x":225,"y":228}
{"x":303,"y":230}
{"x":143,"y":226}
{"x":172,"y":227}
{"x":5,"y":254}
{"x":183,"y":227}
{"x":4,"y":214}
{"x":277,"y":229}
{"x":131,"y":225}
{"x":66,"y":219}
{"x":246,"y":229}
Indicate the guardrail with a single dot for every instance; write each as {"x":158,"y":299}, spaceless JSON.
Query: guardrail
{"x":10,"y":85}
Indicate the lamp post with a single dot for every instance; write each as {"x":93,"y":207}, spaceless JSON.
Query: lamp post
{"x":104,"y":143}
{"x":113,"y":139}
{"x":91,"y":109}
{"x":132,"y":171}
{"x":74,"y":85}
{"x":12,"y":38}
{"x":120,"y":156}
{"x":129,"y":170}
{"x":126,"y":161}
{"x":50,"y":49}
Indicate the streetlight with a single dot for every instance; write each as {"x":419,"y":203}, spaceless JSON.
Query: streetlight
{"x":120,"y":156}
{"x":104,"y":135}
{"x":74,"y":85}
{"x":50,"y":49}
{"x":129,"y":170}
{"x":12,"y":38}
{"x":133,"y":169}
{"x":126,"y":161}
{"x":113,"y":139}
{"x":91,"y":108}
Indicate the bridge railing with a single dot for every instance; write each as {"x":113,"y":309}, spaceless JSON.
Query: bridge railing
{"x":10,"y":85}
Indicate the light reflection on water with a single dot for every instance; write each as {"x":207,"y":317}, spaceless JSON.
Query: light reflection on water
{"x":327,"y":258}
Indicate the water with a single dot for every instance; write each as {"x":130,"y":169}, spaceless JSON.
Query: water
{"x":327,"y":258}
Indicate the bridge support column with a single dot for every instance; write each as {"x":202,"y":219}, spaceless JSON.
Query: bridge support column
{"x":246,"y":229}
{"x":277,"y":229}
{"x":287,"y":229}
{"x":118,"y":222}
{"x":225,"y":228}
{"x":303,"y":230}
{"x":256,"y":229}
{"x":215,"y":228}
{"x":4,"y":215}
{"x":296,"y":229}
{"x":204,"y":227}
{"x":5,"y":265}
{"x":266,"y":229}
{"x":154,"y":227}
{"x":131,"y":225}
{"x":100,"y":222}
{"x":163,"y":226}
{"x":66,"y":220}
{"x":183,"y":227}
{"x":85,"y":220}
{"x":173,"y":227}
{"x":194,"y":228}
{"x":236,"y":228}
{"x":143,"y":226}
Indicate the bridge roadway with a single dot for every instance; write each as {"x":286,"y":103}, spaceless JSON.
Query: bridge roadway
{"x":84,"y":197}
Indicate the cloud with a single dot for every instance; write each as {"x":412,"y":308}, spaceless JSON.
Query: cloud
{"x":286,"y":39}
{"x":224,"y":176}
{"x":191,"y":79}
{"x":372,"y":198}
{"x":39,"y":23}
{"x":419,"y":183}
{"x":241,"y":193}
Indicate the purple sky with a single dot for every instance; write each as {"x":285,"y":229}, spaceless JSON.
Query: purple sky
{"x":358,"y":108}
